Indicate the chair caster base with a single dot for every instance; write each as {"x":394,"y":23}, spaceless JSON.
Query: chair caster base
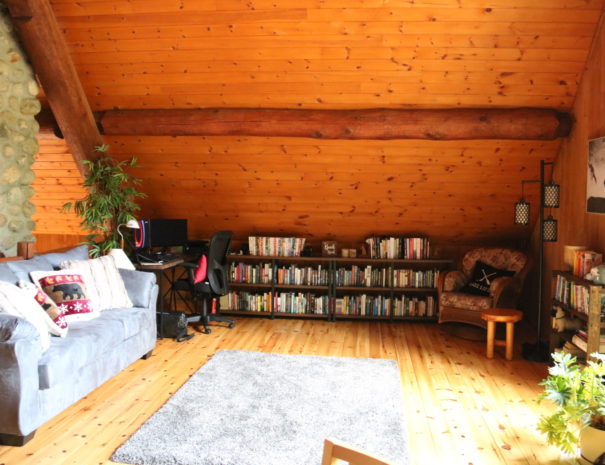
{"x":231,"y":325}
{"x":207,"y":331}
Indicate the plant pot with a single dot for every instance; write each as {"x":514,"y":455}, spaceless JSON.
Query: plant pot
{"x":592,"y":444}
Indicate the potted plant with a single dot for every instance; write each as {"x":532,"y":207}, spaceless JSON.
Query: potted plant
{"x":110,"y":201}
{"x":579,"y":396}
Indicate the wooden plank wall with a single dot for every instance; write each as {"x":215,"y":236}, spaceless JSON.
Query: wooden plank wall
{"x":57,"y":181}
{"x":576,"y":227}
{"x":344,"y":190}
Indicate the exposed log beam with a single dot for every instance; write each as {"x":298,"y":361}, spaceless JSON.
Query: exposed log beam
{"x":45,"y":46}
{"x":455,"y":124}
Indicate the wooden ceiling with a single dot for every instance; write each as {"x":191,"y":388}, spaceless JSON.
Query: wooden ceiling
{"x":331,"y":54}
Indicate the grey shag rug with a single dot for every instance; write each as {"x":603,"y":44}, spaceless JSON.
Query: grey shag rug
{"x":249,"y":408}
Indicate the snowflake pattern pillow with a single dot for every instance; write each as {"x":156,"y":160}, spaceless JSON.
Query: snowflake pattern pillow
{"x":67,"y":289}
{"x":55,"y":321}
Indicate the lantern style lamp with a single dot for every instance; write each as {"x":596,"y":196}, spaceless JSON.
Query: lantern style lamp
{"x":549,"y":229}
{"x":551,"y":195}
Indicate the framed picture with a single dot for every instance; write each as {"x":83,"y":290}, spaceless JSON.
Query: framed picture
{"x":595,"y":183}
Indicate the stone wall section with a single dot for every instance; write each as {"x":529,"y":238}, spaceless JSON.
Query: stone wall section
{"x":18,"y":142}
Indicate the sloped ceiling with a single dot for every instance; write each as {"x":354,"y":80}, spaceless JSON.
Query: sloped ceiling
{"x":330,"y":54}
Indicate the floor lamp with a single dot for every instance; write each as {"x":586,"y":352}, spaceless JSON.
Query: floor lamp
{"x":549,"y":198}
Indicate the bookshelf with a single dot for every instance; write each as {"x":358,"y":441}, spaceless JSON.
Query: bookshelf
{"x":584,"y":300}
{"x":334,"y":288}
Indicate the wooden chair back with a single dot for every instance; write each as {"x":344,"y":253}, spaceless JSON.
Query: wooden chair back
{"x":335,"y":452}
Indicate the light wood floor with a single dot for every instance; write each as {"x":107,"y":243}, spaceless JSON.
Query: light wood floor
{"x":460,"y":407}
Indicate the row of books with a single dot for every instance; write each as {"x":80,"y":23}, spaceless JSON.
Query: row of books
{"x":303,"y":276}
{"x":580,"y":340}
{"x":408,"y":248}
{"x":282,"y":302}
{"x":265,"y":273}
{"x":415,"y":278}
{"x":584,"y":261}
{"x":276,"y":246}
{"x":369,"y":276}
{"x":370,"y":305}
{"x":576,"y":296}
{"x":363,"y":276}
{"x":260,"y":273}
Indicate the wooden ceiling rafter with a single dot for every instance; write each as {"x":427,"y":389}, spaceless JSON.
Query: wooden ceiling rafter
{"x":378,"y":124}
{"x":47,"y":50}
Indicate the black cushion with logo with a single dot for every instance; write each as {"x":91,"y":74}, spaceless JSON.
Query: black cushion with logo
{"x":482,"y":277}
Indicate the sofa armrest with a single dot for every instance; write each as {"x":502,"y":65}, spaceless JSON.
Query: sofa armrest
{"x":451,"y":281}
{"x":140,"y":286}
{"x":20,"y":353}
{"x":505,"y":291}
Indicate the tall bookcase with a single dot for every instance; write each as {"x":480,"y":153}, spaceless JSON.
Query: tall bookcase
{"x":334,"y":288}
{"x":581,"y":299}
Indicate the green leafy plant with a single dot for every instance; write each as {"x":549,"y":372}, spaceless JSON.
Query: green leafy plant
{"x":110,"y":201}
{"x":579,"y":396}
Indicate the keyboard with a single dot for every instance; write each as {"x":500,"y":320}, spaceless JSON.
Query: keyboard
{"x":156,"y":258}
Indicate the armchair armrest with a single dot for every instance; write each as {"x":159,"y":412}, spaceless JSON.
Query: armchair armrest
{"x":20,"y":353}
{"x":505,"y":291}
{"x":140,"y":286}
{"x":451,"y":281}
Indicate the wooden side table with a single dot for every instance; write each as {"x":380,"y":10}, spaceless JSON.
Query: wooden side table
{"x":501,"y":315}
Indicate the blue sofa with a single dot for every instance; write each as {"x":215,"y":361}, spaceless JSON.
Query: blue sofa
{"x":36,"y":386}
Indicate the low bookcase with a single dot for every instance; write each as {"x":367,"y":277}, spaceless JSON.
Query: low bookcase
{"x":582,"y":299}
{"x":333,"y":288}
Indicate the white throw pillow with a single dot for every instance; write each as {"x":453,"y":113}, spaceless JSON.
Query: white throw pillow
{"x":67,"y":288}
{"x":17,"y":302}
{"x":56,"y":324}
{"x":103,"y":281}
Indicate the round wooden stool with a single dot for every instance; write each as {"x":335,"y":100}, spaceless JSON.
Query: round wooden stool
{"x":501,"y":315}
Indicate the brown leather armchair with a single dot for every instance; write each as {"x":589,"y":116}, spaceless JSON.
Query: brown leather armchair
{"x":456,"y":306}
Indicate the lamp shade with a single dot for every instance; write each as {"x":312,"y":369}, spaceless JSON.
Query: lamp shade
{"x":551,"y":195}
{"x":522,"y":212}
{"x":549,"y":229}
{"x":132,"y":224}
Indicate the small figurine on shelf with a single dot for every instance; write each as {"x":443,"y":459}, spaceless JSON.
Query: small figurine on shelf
{"x":328,"y":248}
{"x":596,"y":275}
{"x":561,"y":322}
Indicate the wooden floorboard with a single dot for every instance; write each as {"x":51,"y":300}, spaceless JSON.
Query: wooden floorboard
{"x":460,"y":407}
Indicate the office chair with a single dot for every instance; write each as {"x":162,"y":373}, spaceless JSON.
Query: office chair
{"x":214,"y":284}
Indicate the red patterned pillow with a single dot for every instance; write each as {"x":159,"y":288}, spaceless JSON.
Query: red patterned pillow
{"x":68,"y":291}
{"x":56,"y":322}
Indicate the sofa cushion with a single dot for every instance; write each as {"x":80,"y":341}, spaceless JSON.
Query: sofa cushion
{"x":103,"y":281}
{"x":17,"y":302}
{"x":6,"y":274}
{"x":465,"y":301}
{"x":56,"y":322}
{"x":88,"y":341}
{"x":56,"y":258}
{"x":482,"y":277}
{"x":22,"y":268}
{"x":68,"y":290}
{"x":139,"y":285}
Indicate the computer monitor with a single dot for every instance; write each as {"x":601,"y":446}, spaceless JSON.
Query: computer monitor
{"x":167,"y":232}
